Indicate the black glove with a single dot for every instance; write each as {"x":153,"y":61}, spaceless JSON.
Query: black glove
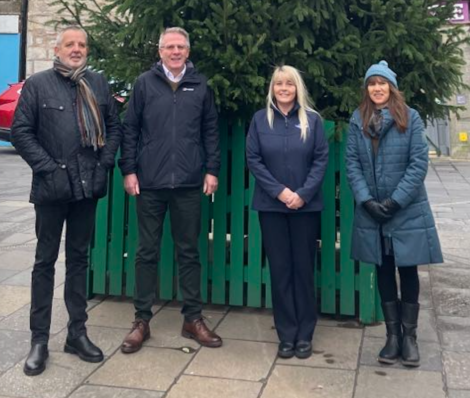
{"x":376,"y":211}
{"x":390,"y":206}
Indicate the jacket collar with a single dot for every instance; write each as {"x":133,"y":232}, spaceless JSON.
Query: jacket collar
{"x":189,"y":76}
{"x":291,"y":113}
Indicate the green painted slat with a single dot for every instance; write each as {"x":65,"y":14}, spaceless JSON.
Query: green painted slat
{"x":237,"y":214}
{"x":116,"y":242}
{"x":132,"y":240}
{"x":100,"y":245}
{"x":220,"y":223}
{"x":347,"y":295}
{"x":204,"y":246}
{"x":367,"y":295}
{"x":328,"y":233}
{"x":167,"y":263}
{"x":254,"y":254}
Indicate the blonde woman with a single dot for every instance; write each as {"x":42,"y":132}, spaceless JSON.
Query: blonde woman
{"x":287,"y":153}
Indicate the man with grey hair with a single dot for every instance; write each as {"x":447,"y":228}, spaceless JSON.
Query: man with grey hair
{"x":170,"y":151}
{"x":67,"y":129}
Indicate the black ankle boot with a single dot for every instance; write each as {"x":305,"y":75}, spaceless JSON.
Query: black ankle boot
{"x":391,"y":352}
{"x":36,"y":361}
{"x":409,"y":319}
{"x":84,"y":348}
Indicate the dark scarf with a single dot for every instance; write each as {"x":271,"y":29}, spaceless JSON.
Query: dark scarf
{"x":375,"y":127}
{"x":89,"y":117}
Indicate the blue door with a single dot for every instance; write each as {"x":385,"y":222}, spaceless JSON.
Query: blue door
{"x":9,"y":58}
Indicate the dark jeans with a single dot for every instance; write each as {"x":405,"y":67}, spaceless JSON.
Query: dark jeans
{"x":387,"y":281}
{"x":79,"y":218}
{"x":290,"y":243}
{"x":185,"y":217}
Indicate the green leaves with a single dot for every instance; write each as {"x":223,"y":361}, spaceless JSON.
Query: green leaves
{"x":236,"y":44}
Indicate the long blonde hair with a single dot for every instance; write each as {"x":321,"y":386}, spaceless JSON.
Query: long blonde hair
{"x":302,"y":97}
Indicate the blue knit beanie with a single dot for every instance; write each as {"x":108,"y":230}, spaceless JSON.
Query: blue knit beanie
{"x":382,"y":69}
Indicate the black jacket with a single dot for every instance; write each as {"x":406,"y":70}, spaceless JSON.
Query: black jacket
{"x":45,"y":133}
{"x":279,"y":158}
{"x":170,"y":137}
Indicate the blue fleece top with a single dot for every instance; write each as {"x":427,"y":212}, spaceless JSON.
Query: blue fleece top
{"x":279,"y":158}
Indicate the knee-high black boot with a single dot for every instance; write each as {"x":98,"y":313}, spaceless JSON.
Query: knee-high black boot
{"x":409,"y":318}
{"x":392,"y":350}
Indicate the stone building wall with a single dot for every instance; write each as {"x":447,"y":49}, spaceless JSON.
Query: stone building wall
{"x":10,"y":7}
{"x":41,"y":36}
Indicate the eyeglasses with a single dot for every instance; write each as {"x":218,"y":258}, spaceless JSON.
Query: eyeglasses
{"x":173,"y":47}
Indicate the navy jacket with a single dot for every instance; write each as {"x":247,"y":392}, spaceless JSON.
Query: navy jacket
{"x":279,"y":158}
{"x":170,"y":137}
{"x":401,"y":165}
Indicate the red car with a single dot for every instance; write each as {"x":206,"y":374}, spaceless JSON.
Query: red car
{"x":8,"y":102}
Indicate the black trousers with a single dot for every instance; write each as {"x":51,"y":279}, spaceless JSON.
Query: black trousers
{"x":79,"y":218}
{"x":185,"y":217}
{"x":289,"y":240}
{"x":387,"y":281}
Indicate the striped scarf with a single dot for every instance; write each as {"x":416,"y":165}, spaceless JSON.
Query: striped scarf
{"x":89,"y":117}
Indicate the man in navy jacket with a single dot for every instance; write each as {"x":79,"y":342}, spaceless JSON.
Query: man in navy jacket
{"x":170,"y":149}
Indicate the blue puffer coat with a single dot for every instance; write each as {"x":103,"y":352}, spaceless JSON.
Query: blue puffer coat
{"x":400,"y":169}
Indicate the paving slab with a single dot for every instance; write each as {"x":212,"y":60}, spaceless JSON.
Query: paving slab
{"x":14,"y":346}
{"x":398,"y":383}
{"x":20,"y":319}
{"x":108,"y":339}
{"x":425,"y":292}
{"x":13,"y":298}
{"x":149,"y":369}
{"x":114,"y":313}
{"x":427,"y":328}
{"x":455,"y":333}
{"x":90,"y":391}
{"x":328,"y":352}
{"x":18,"y":259}
{"x":63,"y":374}
{"x":236,"y":359}
{"x":165,"y":329}
{"x":452,"y":302}
{"x":457,"y":367}
{"x":255,"y":327}
{"x":445,"y":277}
{"x":299,"y":382}
{"x":18,"y":238}
{"x":5,"y":274}
{"x":207,"y":387}
{"x":430,"y":355}
{"x":458,"y":393}
{"x":22,"y":278}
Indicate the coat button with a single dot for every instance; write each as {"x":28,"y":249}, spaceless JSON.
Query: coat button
{"x":63,"y":166}
{"x":44,"y":105}
{"x":83,"y":182}
{"x":61,"y":108}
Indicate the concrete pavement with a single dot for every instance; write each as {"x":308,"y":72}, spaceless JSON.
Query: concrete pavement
{"x":344,"y":363}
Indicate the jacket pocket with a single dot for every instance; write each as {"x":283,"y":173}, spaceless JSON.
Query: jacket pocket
{"x":100,"y":181}
{"x":53,"y":187}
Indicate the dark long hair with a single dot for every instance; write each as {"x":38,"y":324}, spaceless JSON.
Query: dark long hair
{"x":396,"y":105}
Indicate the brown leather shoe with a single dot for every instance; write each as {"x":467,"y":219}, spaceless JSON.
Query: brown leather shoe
{"x":198,"y":331}
{"x":139,"y":333}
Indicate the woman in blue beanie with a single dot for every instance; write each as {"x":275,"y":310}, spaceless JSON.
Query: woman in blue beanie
{"x":387,"y":161}
{"x":287,"y":153}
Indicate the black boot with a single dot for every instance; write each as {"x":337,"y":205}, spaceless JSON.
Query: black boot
{"x":36,"y":361}
{"x":391,"y":352}
{"x":84,"y":348}
{"x":409,"y":319}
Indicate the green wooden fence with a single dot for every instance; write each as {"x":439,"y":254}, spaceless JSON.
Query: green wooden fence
{"x":234,"y":268}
